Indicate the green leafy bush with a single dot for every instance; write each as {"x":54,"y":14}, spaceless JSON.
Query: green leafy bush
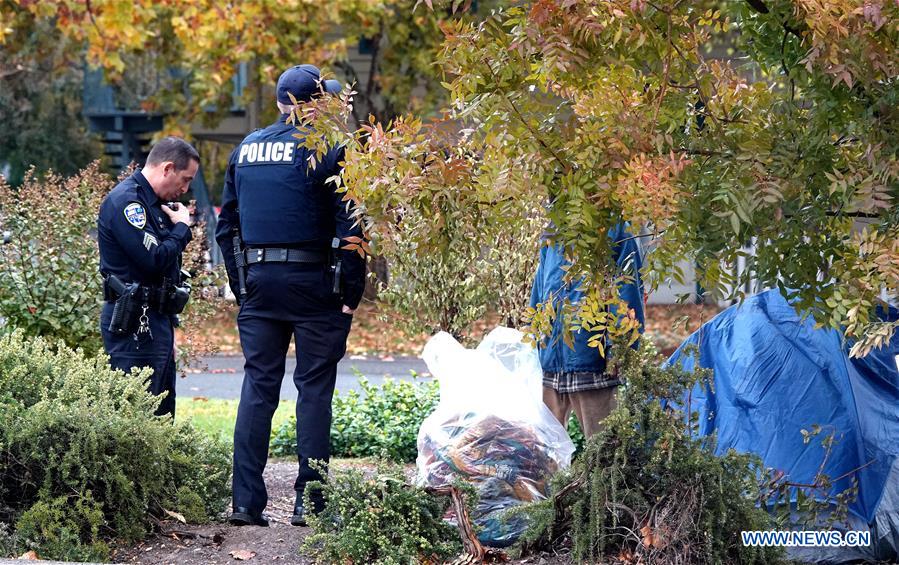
{"x":380,"y":519}
{"x":66,"y":526}
{"x":9,"y":541}
{"x":576,"y":434}
{"x":644,"y":488}
{"x":49,"y":271}
{"x":83,"y":459}
{"x":382,"y":421}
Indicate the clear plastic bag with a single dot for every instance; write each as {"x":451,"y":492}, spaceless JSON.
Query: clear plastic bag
{"x":491,"y":428}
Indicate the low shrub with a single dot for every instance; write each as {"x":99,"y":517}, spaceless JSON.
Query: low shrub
{"x":9,"y":541}
{"x":49,"y":270}
{"x":382,"y":421}
{"x":644,"y":490}
{"x":65,"y":527}
{"x":576,"y":434}
{"x":83,"y":460}
{"x":380,"y":519}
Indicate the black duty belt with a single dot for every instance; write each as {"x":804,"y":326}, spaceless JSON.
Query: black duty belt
{"x":113,"y":288}
{"x":167,"y":299}
{"x":284,"y":255}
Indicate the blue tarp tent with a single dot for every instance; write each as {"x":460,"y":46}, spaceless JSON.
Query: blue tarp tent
{"x":774,"y":375}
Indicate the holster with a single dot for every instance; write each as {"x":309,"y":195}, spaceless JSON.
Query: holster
{"x":336,"y":268}
{"x":167,"y":299}
{"x":127,"y":306}
{"x":241,"y":261}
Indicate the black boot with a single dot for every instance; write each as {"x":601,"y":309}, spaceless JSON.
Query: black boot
{"x":299,"y":516}
{"x":300,"y":512}
{"x":243,"y":517}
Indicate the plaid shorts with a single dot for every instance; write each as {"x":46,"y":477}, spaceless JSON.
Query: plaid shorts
{"x":577,"y":381}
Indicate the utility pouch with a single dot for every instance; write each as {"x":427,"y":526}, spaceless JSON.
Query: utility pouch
{"x":176,"y":299}
{"x":172,"y":298}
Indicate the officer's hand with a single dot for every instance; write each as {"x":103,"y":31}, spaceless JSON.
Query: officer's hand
{"x":182,"y":214}
{"x":347,"y":310}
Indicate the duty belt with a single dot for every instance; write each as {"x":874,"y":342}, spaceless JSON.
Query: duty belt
{"x":168,"y":299}
{"x":113,"y":289}
{"x":284,"y":255}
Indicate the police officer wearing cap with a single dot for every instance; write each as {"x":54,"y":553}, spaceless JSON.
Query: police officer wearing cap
{"x":141,"y":237}
{"x":292,"y":280}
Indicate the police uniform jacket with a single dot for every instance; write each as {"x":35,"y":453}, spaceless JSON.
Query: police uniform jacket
{"x":279,"y":201}
{"x":137,"y":241}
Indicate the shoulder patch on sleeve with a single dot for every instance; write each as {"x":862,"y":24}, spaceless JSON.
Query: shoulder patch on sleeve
{"x":150,"y":241}
{"x":136,"y":215}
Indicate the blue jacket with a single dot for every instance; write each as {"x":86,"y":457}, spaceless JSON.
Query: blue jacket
{"x":137,"y":241}
{"x":581,"y":368}
{"x":278,"y":201}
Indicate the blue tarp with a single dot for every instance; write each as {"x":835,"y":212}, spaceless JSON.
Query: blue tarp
{"x":774,"y":375}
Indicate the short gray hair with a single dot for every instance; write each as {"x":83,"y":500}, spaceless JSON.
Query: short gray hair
{"x":173,"y":149}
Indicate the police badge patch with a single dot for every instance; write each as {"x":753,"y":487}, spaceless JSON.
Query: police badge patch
{"x":136,"y":215}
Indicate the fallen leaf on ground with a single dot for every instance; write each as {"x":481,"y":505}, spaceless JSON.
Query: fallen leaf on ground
{"x":175,"y":515}
{"x":653,"y":537}
{"x":243,"y":554}
{"x":375,"y":333}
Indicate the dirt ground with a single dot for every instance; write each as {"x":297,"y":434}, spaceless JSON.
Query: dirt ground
{"x":224,"y":543}
{"x":220,"y":543}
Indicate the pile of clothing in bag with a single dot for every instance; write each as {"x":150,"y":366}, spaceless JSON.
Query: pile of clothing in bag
{"x":491,"y":429}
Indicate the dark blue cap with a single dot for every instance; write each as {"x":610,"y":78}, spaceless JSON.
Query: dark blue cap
{"x":303,"y":82}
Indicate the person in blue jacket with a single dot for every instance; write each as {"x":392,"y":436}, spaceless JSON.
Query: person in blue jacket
{"x":292,"y":279}
{"x":576,"y":379}
{"x":141,"y":237}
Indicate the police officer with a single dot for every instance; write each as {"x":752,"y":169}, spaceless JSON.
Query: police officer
{"x":141,"y":238}
{"x":298,"y":283}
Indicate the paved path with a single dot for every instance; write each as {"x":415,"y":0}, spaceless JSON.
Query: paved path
{"x":222,"y":376}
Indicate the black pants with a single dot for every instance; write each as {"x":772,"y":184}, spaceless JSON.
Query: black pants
{"x":159,"y":354}
{"x":284,"y":300}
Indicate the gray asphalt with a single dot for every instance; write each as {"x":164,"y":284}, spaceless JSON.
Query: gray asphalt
{"x":222,"y":376}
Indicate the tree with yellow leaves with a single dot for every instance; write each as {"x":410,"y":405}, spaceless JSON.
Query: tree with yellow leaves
{"x":197,"y":46}
{"x":762,"y":133}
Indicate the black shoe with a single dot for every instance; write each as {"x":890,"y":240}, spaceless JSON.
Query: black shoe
{"x":243,"y":517}
{"x":299,"y":516}
{"x":300,"y":512}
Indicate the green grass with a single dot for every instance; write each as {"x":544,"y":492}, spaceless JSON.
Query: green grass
{"x":216,"y":416}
